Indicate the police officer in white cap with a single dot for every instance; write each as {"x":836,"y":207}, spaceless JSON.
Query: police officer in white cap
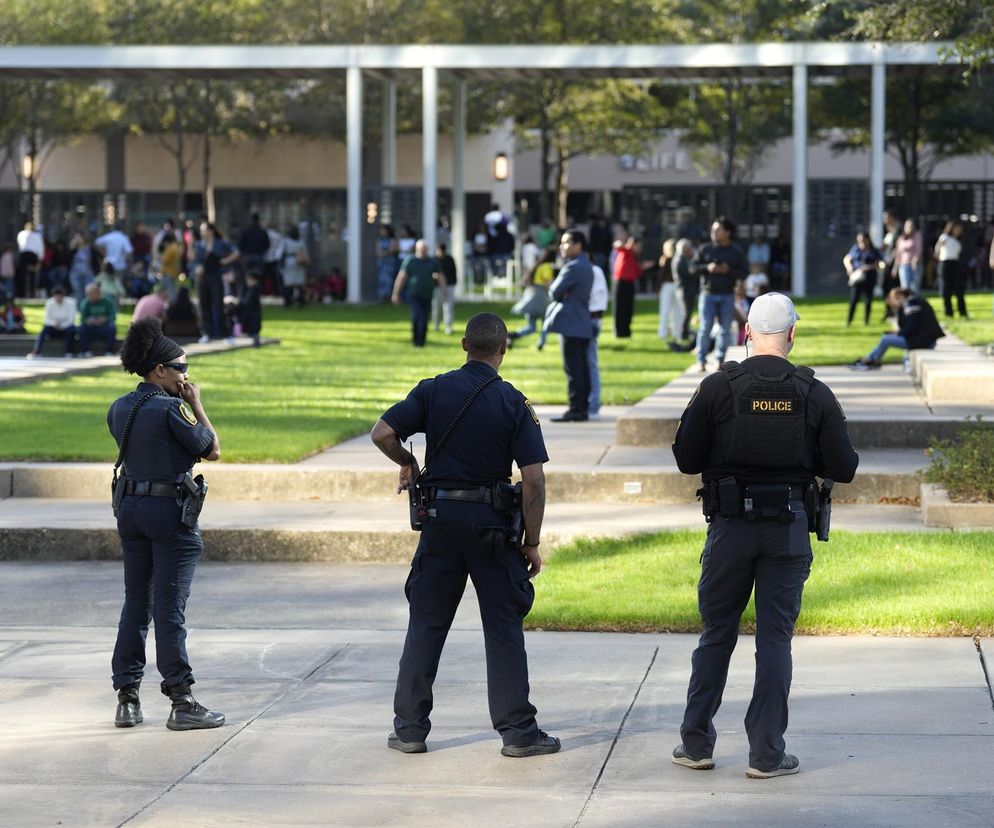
{"x":758,"y":433}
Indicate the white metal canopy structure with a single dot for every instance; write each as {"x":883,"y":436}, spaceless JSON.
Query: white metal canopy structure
{"x":785,"y":61}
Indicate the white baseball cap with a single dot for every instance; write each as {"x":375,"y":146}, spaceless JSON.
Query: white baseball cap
{"x":772,"y":313}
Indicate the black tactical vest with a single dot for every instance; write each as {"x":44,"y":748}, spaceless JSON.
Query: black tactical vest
{"x":769,"y":416}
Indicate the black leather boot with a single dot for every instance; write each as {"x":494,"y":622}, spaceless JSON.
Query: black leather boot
{"x":129,"y":708}
{"x":188,"y":713}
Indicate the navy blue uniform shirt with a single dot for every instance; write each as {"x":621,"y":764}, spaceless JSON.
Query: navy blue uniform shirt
{"x":498,"y":427}
{"x":164,"y":442}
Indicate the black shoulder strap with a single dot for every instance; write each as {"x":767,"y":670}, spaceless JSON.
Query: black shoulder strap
{"x":455,"y":420}
{"x":733,"y":369}
{"x":805,"y":376}
{"x":127,"y":427}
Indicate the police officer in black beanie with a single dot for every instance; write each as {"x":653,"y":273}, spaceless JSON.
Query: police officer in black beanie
{"x":168,"y":433}
{"x":758,"y":433}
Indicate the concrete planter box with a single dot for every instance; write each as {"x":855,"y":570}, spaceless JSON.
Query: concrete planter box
{"x":939,"y":510}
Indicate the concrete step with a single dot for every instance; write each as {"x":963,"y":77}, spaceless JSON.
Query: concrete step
{"x":335,"y":532}
{"x":884,"y":410}
{"x":622,"y":474}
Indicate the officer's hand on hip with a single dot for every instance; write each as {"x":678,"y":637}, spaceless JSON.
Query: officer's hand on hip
{"x":407,"y":475}
{"x":534,"y":560}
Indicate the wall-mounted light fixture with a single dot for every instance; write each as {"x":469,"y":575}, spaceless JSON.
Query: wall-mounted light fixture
{"x":502,"y":166}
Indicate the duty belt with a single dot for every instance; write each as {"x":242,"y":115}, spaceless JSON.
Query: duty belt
{"x":150,"y":487}
{"x":481,"y":494}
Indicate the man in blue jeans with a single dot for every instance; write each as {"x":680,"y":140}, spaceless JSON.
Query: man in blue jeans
{"x":719,"y":265}
{"x":917,"y":327}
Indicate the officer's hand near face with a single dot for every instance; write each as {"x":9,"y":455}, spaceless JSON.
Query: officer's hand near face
{"x":534,"y":560}
{"x":189,"y":392}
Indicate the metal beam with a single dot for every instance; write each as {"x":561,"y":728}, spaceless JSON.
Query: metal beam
{"x":504,"y":61}
{"x":429,"y":183}
{"x":458,"y":224}
{"x":878,"y":92}
{"x":799,"y":200}
{"x":353,"y":152}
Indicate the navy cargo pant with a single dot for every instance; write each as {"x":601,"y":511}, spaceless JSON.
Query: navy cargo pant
{"x":160,"y":555}
{"x":776,"y":558}
{"x":465,"y":539}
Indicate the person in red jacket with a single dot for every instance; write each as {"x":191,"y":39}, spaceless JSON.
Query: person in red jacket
{"x":626,"y":271}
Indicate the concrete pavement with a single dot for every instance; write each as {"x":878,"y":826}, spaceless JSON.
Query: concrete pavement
{"x":302,"y":660}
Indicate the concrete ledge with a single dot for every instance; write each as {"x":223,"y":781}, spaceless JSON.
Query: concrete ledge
{"x":958,"y":383}
{"x":939,"y":510}
{"x":288,"y":484}
{"x":884,"y":433}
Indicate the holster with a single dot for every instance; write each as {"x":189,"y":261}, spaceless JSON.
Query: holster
{"x":193,"y":494}
{"x":117,"y":492}
{"x":823,"y":523}
{"x":507,"y":500}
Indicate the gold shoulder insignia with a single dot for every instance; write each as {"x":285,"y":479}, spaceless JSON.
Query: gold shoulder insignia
{"x":187,"y":414}
{"x":531,"y":411}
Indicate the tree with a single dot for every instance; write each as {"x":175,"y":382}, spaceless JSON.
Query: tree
{"x":566,"y":117}
{"x":732,"y":123}
{"x":931,"y":115}
{"x":186,"y":116}
{"x":36,"y":116}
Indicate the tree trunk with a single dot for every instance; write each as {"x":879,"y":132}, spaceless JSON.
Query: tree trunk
{"x":912,"y":178}
{"x":208,"y":184}
{"x":33,"y":178}
{"x":544,"y":195}
{"x":180,"y":175}
{"x":562,"y":187}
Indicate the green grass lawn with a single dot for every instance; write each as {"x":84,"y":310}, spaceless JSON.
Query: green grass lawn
{"x":872,"y":583}
{"x":339,"y":367}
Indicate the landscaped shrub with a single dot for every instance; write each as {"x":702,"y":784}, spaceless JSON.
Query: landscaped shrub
{"x":964,"y":467}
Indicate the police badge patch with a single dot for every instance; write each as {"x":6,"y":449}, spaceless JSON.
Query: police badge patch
{"x":531,"y":411}
{"x":187,"y":414}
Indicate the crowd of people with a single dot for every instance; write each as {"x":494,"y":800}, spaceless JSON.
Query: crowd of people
{"x":162,"y":272}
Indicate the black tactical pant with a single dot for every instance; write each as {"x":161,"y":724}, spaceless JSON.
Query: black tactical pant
{"x":160,"y":556}
{"x":738,"y":554}
{"x":456,"y":544}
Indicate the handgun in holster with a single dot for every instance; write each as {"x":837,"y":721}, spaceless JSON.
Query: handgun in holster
{"x":823,"y":522}
{"x":192,"y":493}
{"x":507,"y":500}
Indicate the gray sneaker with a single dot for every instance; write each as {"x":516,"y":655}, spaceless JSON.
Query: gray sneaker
{"x":788,"y":765}
{"x":681,"y":757}
{"x":394,"y":742}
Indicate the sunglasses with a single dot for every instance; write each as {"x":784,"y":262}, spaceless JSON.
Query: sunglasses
{"x":176,"y":366}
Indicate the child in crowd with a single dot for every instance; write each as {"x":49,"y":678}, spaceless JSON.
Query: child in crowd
{"x":757,"y":282}
{"x":250,"y":309}
{"x":8,"y":268}
{"x":11,"y":316}
{"x":110,"y":287}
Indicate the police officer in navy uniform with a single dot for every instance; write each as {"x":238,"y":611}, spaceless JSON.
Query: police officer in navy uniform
{"x":758,"y":432}
{"x":466,"y":534}
{"x":169,"y":433}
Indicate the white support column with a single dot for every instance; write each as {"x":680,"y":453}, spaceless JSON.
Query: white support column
{"x":353,"y":152}
{"x":799,"y":201}
{"x":458,"y":217}
{"x":878,"y":92}
{"x":389,"y":160}
{"x":429,"y":185}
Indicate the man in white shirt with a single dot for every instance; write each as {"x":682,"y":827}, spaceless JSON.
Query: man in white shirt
{"x":60,"y":314}
{"x":116,"y":249}
{"x":31,"y":250}
{"x":598,"y":304}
